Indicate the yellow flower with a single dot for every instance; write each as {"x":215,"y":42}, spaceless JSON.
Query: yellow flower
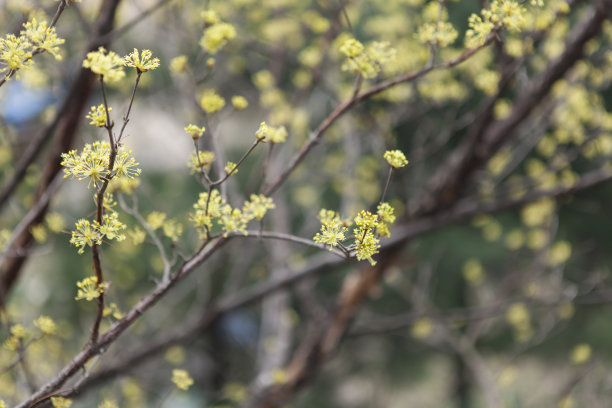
{"x":156,"y":219}
{"x":39,"y":232}
{"x":181,"y":379}
{"x":107,"y":64}
{"x":18,"y":331}
{"x":142,"y":62}
{"x":46,"y":325}
{"x":112,"y":310}
{"x":42,"y":37}
{"x":366,"y":244}
{"x":216,"y":37}
{"x":239,"y":102}
{"x":15,"y":52}
{"x":473,"y":272}
{"x":351,"y":48}
{"x":581,"y":354}
{"x":257,"y":207}
{"x":210,"y":17}
{"x":395,"y":158}
{"x":178,"y":64}
{"x":271,"y":134}
{"x":203,"y":159}
{"x":211,"y":101}
{"x":93,"y":163}
{"x":559,"y":253}
{"x":89,"y":289}
{"x":86,"y":233}
{"x":230,"y":168}
{"x":173,"y":230}
{"x":194,"y":131}
{"x":137,"y":235}
{"x":97,"y":115}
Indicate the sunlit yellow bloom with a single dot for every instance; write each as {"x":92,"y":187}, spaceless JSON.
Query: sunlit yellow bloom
{"x":108,"y":64}
{"x":89,"y":289}
{"x":42,"y":37}
{"x":97,"y":115}
{"x":203,"y":160}
{"x":194,"y":131}
{"x":257,"y":207}
{"x":142,"y":62}
{"x":181,"y":379}
{"x":395,"y":158}
{"x":86,"y":234}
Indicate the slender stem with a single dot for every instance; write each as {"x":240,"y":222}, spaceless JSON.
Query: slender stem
{"x":126,"y":118}
{"x":133,"y":211}
{"x":382,"y":198}
{"x":242,"y":159}
{"x":58,"y":13}
{"x":286,"y":237}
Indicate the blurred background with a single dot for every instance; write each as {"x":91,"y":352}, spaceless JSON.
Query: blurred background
{"x":500,"y":299}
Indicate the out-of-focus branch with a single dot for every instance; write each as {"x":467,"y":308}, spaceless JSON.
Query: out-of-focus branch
{"x":358,"y":97}
{"x":450,"y":181}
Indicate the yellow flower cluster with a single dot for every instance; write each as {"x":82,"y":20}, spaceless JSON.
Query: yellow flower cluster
{"x":368,"y":61}
{"x":395,"y":158}
{"x":369,"y":227}
{"x":215,"y":211}
{"x":507,"y":13}
{"x":257,"y":206}
{"x":518,"y":316}
{"x":112,"y":310}
{"x":266,"y":133}
{"x":440,"y":34}
{"x":239,"y":102}
{"x":97,"y":115}
{"x":333,"y":230}
{"x":194,"y":131}
{"x":105,"y":63}
{"x":110,"y":65}
{"x":16,"y":51}
{"x":181,"y":379}
{"x":46,"y":325}
{"x":178,"y":64}
{"x":92,"y":163}
{"x":436,"y":30}
{"x":142,"y":62}
{"x":211,"y":101}
{"x":89,"y":289}
{"x":217,"y":33}
{"x":202,"y":160}
{"x":89,"y":233}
